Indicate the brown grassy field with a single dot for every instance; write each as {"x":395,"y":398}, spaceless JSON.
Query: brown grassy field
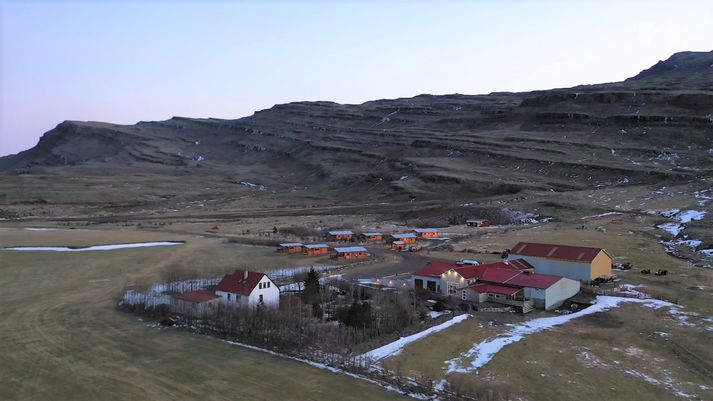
{"x":62,"y":338}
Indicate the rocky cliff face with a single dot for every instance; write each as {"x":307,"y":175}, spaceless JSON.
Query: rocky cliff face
{"x":655,"y":127}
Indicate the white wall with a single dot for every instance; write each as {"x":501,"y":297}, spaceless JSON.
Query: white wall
{"x":560,"y":292}
{"x":271,"y":295}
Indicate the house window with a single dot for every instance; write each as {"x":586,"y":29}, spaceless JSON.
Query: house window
{"x":451,"y":289}
{"x":464,"y":295}
{"x":260,"y":298}
{"x":228,"y":297}
{"x":268,"y":284}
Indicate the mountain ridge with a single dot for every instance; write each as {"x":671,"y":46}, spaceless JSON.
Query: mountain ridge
{"x":566,"y":139}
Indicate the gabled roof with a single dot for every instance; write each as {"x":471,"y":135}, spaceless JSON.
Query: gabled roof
{"x":238,"y":283}
{"x":494,"y":289}
{"x":499,"y":275}
{"x":520,"y":264}
{"x":534,"y":280}
{"x":197,"y":296}
{"x":435,"y":269}
{"x":315,"y":246}
{"x":410,"y":235}
{"x":579,"y":254}
{"x":342,"y":232}
{"x":291,"y":244}
{"x":426,"y":230}
{"x":351,"y":249}
{"x":372,"y":234}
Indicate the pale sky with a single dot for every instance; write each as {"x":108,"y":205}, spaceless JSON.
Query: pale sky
{"x":125,"y":62}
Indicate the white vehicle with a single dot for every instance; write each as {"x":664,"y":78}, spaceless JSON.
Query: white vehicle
{"x":471,"y":262}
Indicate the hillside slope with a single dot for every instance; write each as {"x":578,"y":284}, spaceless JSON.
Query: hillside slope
{"x":655,"y":127}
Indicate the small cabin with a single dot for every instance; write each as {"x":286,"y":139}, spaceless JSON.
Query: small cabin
{"x":315,"y":249}
{"x":352,"y":252}
{"x":290,"y":247}
{"x":405,"y":238}
{"x":341,"y":235}
{"x":197,"y":303}
{"x":427,"y":232}
{"x":478,"y":223}
{"x":398,"y":246}
{"x":373,"y":237}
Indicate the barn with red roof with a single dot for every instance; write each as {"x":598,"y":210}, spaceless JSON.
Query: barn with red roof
{"x":575,"y":262}
{"x":248,"y":288}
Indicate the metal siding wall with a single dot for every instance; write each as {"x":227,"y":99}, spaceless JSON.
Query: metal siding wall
{"x":575,"y":271}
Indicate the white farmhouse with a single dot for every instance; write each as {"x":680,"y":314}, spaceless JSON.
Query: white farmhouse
{"x":248,"y":288}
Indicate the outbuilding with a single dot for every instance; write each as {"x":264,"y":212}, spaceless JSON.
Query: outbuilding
{"x":427,"y":232}
{"x":374,"y":236}
{"x":406,"y":238}
{"x":351,"y":252}
{"x":575,"y":262}
{"x":315,"y":249}
{"x":398,"y":246}
{"x":197,"y":303}
{"x":290,"y":247}
{"x":478,"y":223}
{"x":341,"y":235}
{"x":248,"y":289}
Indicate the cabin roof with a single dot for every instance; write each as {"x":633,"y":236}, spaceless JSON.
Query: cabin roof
{"x":350,"y":249}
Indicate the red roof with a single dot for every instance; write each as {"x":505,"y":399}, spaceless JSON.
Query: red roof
{"x":238,"y":283}
{"x":197,"y":296}
{"x":471,"y":271}
{"x":520,"y":264}
{"x":534,"y":280}
{"x":499,"y":275}
{"x":551,"y":251}
{"x":435,"y":269}
{"x":494,"y":289}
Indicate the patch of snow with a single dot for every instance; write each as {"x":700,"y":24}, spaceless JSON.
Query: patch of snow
{"x":602,"y":215}
{"x":672,"y":228}
{"x":40,"y":229}
{"x":689,"y":215}
{"x":93,"y":248}
{"x":397,"y":346}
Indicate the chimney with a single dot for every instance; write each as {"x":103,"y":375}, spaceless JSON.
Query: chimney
{"x":245,"y":274}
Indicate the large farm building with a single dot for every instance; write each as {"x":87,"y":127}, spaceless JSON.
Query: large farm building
{"x":575,"y":262}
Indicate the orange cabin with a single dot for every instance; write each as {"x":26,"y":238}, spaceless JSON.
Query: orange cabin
{"x":398,"y":245}
{"x":427,"y":232}
{"x":341,"y":235}
{"x":374,"y":236}
{"x":316,"y":249}
{"x":290,"y":247}
{"x":405,"y":238}
{"x":354,"y":252}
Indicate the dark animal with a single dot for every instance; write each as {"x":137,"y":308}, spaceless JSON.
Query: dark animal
{"x":661,"y":273}
{"x":646,"y":271}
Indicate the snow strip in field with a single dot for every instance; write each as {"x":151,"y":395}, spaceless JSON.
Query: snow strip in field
{"x":329,"y":368}
{"x":397,"y":346}
{"x":602,"y":215}
{"x":93,"y":248}
{"x":483,"y":352}
{"x":40,"y":229}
